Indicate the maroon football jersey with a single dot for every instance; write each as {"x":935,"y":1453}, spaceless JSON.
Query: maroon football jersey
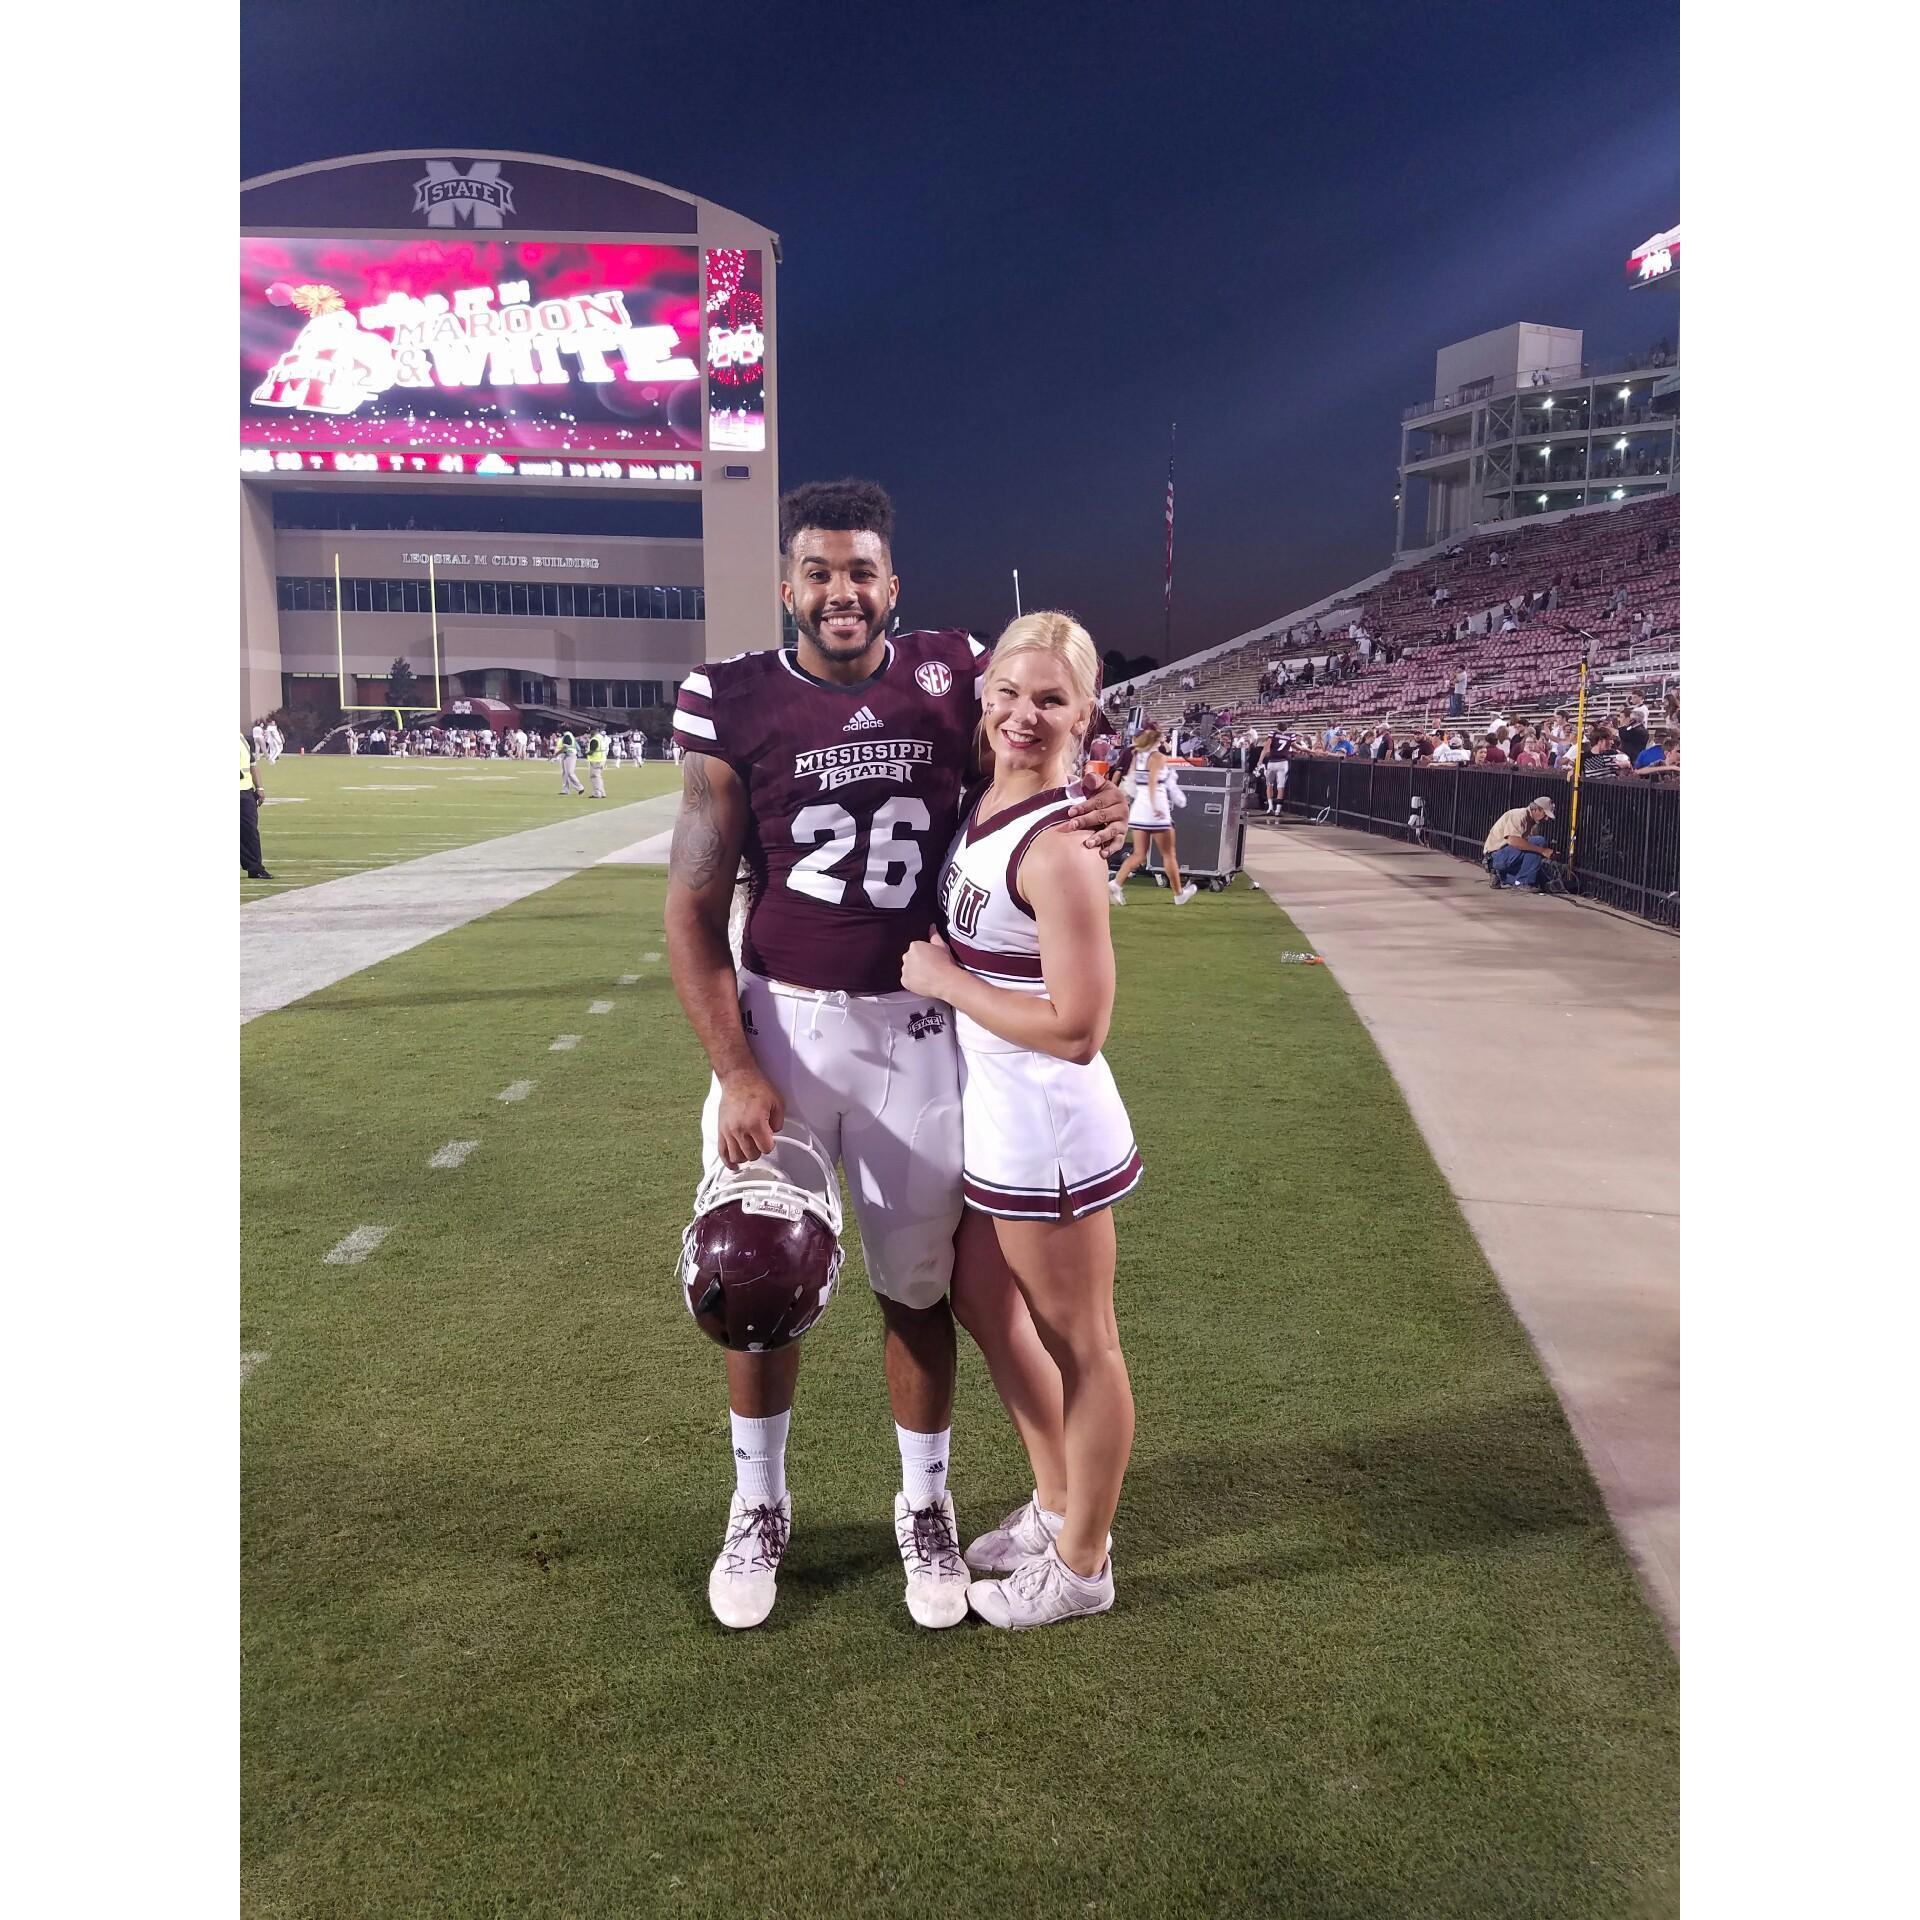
{"x":854,"y":798}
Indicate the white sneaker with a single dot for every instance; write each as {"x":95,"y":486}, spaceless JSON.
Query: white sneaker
{"x":1185,"y":894}
{"x":929,"y":1542}
{"x":1040,"y":1591}
{"x":1116,"y":893}
{"x":740,"y":1587}
{"x":1022,"y":1534}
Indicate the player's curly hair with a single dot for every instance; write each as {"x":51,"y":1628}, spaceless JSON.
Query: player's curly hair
{"x":852,"y":506}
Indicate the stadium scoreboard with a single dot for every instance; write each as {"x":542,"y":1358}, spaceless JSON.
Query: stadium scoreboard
{"x":447,"y":342}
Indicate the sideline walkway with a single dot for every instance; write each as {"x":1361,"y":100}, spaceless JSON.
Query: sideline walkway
{"x":1538,"y":1045}
{"x":293,"y":944}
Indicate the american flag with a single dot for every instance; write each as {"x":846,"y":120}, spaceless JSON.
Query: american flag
{"x":1169,"y":599}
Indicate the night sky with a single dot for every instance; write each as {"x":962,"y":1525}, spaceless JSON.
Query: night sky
{"x":1020,"y":240}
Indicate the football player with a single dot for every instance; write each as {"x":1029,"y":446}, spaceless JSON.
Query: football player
{"x":834,"y":769}
{"x":1276,"y":756}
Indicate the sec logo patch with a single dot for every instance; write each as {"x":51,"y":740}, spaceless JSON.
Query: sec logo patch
{"x":933,"y":677}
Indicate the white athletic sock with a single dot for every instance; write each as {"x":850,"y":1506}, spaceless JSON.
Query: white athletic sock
{"x":923,"y":1464}
{"x":760,"y":1457}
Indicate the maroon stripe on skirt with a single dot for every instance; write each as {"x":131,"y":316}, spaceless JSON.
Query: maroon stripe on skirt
{"x":1095,"y":1193}
{"x":1034,"y":1206}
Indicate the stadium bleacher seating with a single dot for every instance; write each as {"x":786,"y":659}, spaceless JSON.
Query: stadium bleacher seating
{"x":1526,"y":673}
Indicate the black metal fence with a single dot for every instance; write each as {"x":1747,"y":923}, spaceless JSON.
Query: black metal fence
{"x":1627,"y":853}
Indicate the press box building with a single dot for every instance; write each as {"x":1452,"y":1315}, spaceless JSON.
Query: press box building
{"x":1520,"y":424}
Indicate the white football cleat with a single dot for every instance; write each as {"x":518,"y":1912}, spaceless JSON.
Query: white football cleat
{"x":740,"y":1587}
{"x":1040,"y":1591}
{"x":1025,"y":1532}
{"x":929,"y":1541}
{"x":1116,"y":893}
{"x":1185,"y":894}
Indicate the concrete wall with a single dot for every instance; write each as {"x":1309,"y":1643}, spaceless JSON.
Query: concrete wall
{"x":259,"y":621}
{"x":1504,"y":354}
{"x":1549,"y":347}
{"x":386,"y":553}
{"x":1449,"y":505}
{"x":741,"y":517}
{"x":562,"y":648}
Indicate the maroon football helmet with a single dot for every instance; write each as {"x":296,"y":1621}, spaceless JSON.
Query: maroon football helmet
{"x":759,"y":1259}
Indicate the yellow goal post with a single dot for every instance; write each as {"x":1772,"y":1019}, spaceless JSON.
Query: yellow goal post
{"x":340,"y":649}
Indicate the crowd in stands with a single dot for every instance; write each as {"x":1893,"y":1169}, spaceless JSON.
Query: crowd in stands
{"x":1644,"y":744}
{"x":1492,"y":627}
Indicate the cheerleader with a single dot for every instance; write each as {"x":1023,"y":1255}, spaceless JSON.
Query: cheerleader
{"x":1027,"y":965}
{"x":1154,"y":784}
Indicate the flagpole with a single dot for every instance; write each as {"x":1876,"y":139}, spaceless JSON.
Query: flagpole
{"x":1166,"y":635}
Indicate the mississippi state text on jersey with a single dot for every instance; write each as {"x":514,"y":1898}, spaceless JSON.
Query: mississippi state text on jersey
{"x":853,"y":795}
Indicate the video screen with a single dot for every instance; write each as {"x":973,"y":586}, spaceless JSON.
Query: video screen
{"x":450,"y":350}
{"x":736,"y":351}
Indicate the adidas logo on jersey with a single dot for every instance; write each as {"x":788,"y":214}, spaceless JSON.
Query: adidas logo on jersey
{"x":865,"y":718}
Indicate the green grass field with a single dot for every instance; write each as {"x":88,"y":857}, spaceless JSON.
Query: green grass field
{"x":330,"y":814}
{"x":1376,"y":1655}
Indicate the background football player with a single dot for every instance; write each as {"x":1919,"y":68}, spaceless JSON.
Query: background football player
{"x":835,"y":770}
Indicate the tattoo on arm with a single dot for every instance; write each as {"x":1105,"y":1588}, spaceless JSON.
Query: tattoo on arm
{"x":696,"y":840}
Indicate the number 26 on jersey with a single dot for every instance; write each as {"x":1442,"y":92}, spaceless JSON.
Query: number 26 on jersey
{"x":893,"y":859}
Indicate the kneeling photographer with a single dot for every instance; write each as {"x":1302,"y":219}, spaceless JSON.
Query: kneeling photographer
{"x":1516,"y":852}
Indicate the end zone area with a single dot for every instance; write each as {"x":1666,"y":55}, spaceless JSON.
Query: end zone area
{"x":1376,"y":1651}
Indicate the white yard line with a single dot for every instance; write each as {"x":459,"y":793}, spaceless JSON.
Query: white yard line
{"x":356,"y":1246}
{"x":565,"y":1044}
{"x":300,"y":939}
{"x":628,"y":980}
{"x":601,"y":1006}
{"x":649,"y":956}
{"x":650,"y":852}
{"x":249,"y":1361}
{"x":453,"y":1153}
{"x":518,"y":1091}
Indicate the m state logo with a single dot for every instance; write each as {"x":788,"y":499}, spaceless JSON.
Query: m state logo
{"x":447,"y":196}
{"x":934,"y":677}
